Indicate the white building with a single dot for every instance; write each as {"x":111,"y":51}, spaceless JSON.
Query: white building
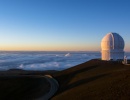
{"x":112,"y":46}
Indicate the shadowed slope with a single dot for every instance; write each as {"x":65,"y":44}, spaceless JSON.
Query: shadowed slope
{"x":94,"y":80}
{"x":22,"y":87}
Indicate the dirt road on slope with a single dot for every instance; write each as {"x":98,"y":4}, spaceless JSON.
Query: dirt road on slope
{"x":54,"y":87}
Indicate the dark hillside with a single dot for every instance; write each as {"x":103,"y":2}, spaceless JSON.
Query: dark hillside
{"x":94,"y":80}
{"x":22,"y":87}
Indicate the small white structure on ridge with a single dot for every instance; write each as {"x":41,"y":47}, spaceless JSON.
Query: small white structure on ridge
{"x":112,"y":46}
{"x":125,"y":60}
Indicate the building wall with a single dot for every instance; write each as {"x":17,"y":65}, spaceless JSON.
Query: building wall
{"x":112,"y":54}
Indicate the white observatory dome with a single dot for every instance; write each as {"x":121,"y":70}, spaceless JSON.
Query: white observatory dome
{"x":112,"y":46}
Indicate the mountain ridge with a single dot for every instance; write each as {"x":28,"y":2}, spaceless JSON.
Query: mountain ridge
{"x":94,"y":80}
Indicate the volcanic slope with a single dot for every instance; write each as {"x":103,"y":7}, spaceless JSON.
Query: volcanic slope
{"x":94,"y":80}
{"x":23,"y":87}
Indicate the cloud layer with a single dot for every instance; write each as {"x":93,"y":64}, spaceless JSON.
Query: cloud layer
{"x":44,"y":60}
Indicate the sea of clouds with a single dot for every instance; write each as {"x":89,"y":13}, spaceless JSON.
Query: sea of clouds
{"x":44,"y":60}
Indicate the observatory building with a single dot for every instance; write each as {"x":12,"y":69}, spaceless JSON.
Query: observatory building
{"x":112,"y":47}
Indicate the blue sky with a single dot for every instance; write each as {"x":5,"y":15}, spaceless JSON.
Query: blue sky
{"x":62,"y":24}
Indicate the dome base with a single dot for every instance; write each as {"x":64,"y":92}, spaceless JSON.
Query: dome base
{"x":112,"y":55}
